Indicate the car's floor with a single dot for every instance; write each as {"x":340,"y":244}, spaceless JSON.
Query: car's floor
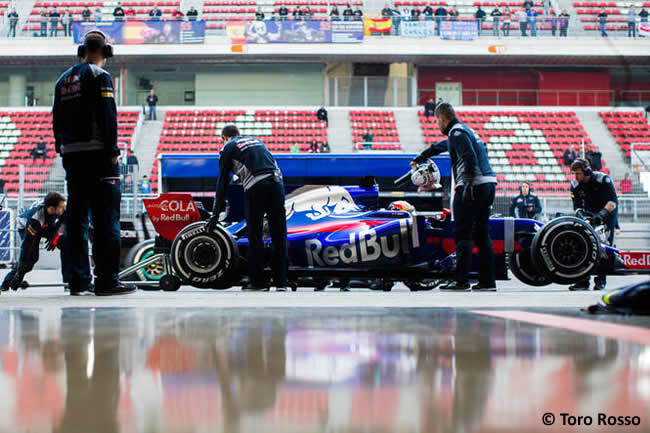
{"x":366,"y":361}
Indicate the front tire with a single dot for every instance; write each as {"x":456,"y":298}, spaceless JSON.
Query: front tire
{"x":522,"y":266}
{"x":206,"y":260}
{"x":567,"y":249}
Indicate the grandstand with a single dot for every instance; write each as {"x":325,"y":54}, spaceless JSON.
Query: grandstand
{"x":21,"y":131}
{"x":628,"y":128}
{"x":523,"y":146}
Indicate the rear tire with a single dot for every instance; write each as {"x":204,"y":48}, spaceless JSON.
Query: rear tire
{"x":206,"y":260}
{"x":566,"y":249}
{"x":522,"y":266}
{"x":140,"y":252}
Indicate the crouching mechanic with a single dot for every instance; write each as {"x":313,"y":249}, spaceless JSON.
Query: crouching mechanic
{"x":526,"y":204}
{"x":251,"y":161}
{"x":594,"y":191}
{"x":473,"y":197}
{"x":43,"y":219}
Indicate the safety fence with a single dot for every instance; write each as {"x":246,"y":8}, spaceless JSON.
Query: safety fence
{"x":633,"y":207}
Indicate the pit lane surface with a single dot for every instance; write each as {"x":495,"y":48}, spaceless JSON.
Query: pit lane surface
{"x":230,"y":361}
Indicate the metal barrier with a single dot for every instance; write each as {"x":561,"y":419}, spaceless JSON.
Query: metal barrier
{"x":632,"y":207}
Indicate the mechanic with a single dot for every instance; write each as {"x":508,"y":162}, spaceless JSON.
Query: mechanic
{"x":473,"y":197}
{"x":526,"y":204}
{"x":44,"y":219}
{"x":594,"y":192}
{"x":85,"y":132}
{"x":251,"y":161}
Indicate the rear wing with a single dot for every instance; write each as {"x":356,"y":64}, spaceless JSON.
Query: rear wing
{"x":171,"y":212}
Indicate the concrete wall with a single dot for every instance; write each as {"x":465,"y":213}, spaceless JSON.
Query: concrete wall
{"x":269,"y":84}
{"x":4,"y":93}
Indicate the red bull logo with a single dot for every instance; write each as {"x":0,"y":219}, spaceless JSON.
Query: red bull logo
{"x":363,"y":247}
{"x":636,"y":260}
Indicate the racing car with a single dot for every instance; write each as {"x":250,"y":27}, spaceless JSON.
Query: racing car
{"x":338,"y":235}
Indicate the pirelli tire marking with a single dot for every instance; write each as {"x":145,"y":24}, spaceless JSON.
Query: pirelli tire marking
{"x":204,"y":259}
{"x":567,"y":249}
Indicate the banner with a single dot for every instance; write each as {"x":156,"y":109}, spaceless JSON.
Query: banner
{"x":144,"y":32}
{"x":644,"y":29}
{"x":299,"y":32}
{"x":458,"y":30}
{"x":417,"y":29}
{"x":377,"y":25}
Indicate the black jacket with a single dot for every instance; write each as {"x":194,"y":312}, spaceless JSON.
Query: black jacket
{"x":595,"y":194}
{"x":469,"y":157}
{"x":249,"y":159}
{"x":568,"y":157}
{"x":520,"y":204}
{"x":36,"y":223}
{"x":84,"y":116}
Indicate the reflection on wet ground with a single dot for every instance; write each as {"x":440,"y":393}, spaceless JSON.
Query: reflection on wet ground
{"x":354,"y":370}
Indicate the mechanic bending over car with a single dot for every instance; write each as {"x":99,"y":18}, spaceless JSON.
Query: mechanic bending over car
{"x":44,"y":219}
{"x":249,"y":159}
{"x":594,"y":192}
{"x":473,"y":197}
{"x":526,"y":204}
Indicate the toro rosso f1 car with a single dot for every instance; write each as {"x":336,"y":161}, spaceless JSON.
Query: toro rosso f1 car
{"x":337,"y":234}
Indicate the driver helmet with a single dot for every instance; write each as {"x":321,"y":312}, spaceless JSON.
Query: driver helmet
{"x":426,"y":174}
{"x":401,"y":205}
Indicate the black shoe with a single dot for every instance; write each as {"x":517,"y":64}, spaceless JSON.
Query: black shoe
{"x":254,"y":289}
{"x":484,"y":287}
{"x":4,"y":287}
{"x":599,"y":285}
{"x":456,"y":286}
{"x":579,"y":286}
{"x":116,"y":291}
{"x":281,"y":289}
{"x":23,"y":285}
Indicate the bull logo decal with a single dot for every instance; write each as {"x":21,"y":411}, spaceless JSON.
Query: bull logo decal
{"x":329,"y":201}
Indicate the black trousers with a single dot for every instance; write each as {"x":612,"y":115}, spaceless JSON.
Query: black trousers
{"x":471,"y":222}
{"x":266,"y":198}
{"x":93,"y":190}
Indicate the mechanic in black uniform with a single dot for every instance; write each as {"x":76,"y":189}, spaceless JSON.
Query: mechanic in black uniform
{"x":473,"y":197}
{"x":594,"y":191}
{"x":84,"y":120}
{"x":42,"y":220}
{"x":251,"y":161}
{"x":526,"y":204}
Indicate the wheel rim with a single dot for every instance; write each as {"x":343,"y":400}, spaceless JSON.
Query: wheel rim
{"x":154,"y":271}
{"x":569,"y":249}
{"x":203,"y":254}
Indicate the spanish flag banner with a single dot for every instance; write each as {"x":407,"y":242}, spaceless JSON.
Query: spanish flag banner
{"x":377,"y":25}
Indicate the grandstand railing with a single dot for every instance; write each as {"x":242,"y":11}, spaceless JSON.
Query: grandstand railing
{"x":371,"y":92}
{"x":631,"y":207}
{"x":552,"y":97}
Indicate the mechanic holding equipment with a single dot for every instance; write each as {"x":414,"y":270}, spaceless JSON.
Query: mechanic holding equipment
{"x":251,"y":161}
{"x":85,"y":131}
{"x":42,"y":220}
{"x":594,"y":192}
{"x":526,"y":204}
{"x":473,"y":197}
